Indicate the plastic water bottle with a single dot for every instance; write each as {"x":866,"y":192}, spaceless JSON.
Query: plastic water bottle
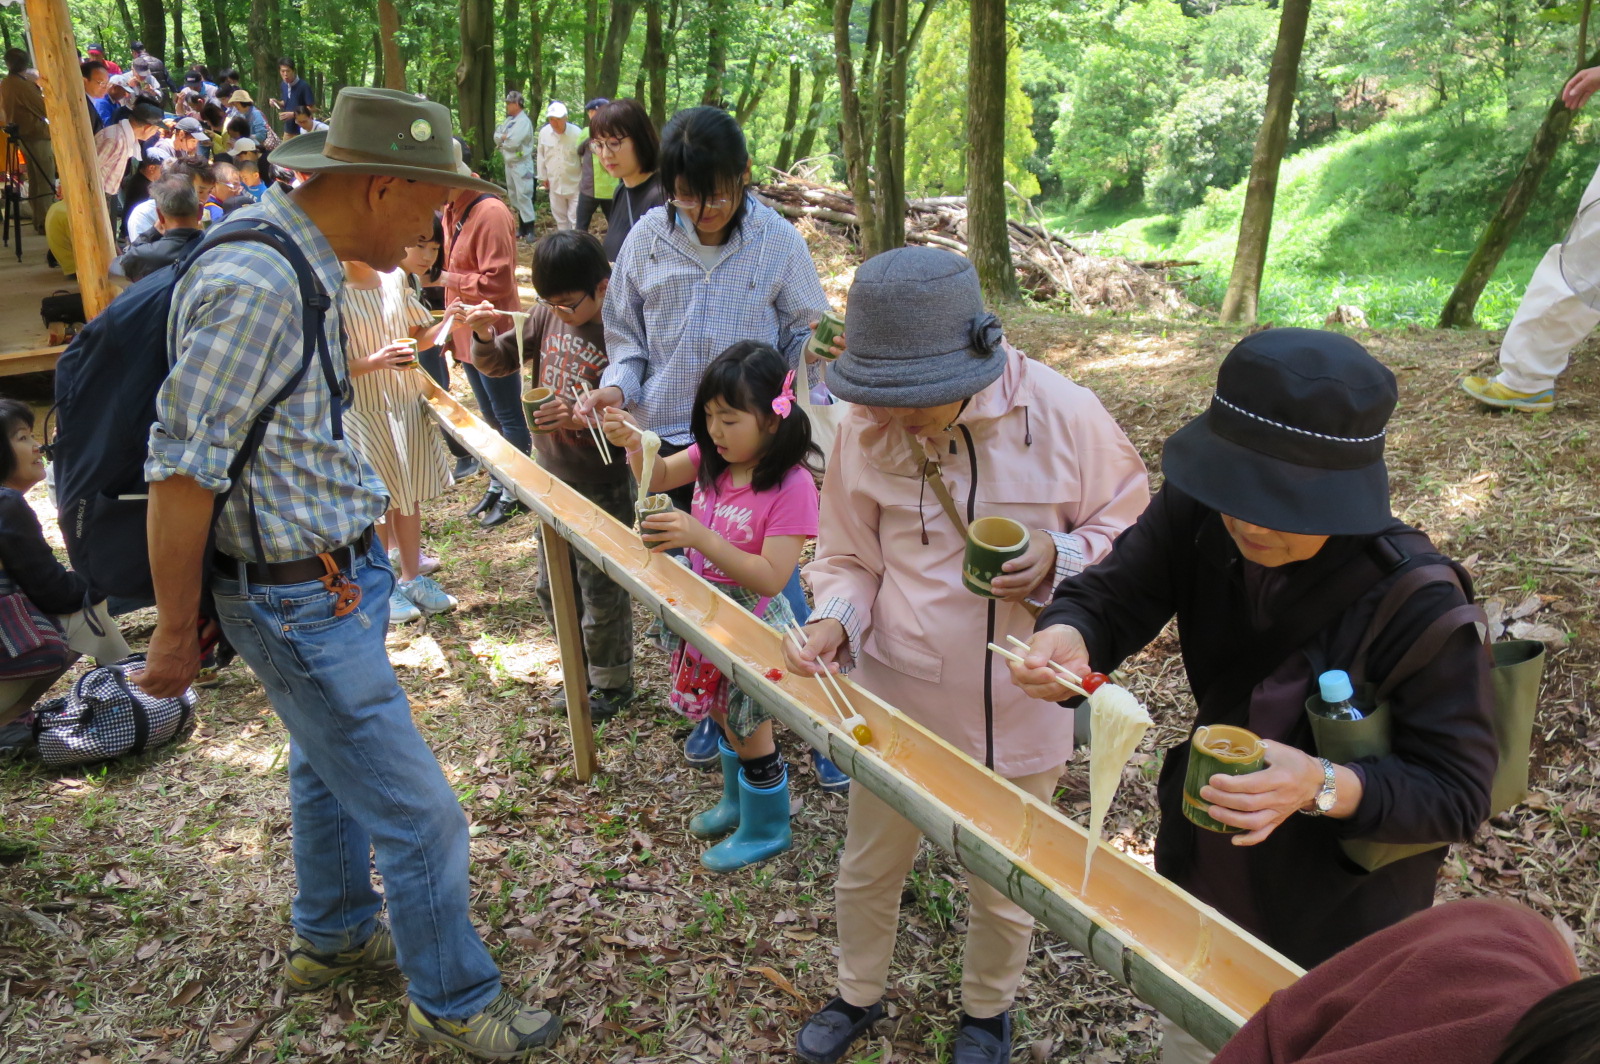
{"x":1337,"y":695}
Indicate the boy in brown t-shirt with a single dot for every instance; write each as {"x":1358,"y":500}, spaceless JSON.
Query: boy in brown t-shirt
{"x":563,"y":343}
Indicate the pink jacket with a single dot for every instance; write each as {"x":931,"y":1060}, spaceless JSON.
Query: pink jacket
{"x":1045,"y":453}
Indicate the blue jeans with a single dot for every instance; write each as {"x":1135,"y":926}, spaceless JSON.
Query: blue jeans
{"x":500,"y":404}
{"x":795,"y":592}
{"x":362,"y":781}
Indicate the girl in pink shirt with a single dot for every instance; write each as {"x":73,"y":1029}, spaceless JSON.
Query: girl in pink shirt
{"x":755,"y":504}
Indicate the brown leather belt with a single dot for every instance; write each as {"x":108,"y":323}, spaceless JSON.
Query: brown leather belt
{"x":301,"y":570}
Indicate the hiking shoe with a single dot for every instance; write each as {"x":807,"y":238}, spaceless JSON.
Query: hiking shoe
{"x":425,"y":565}
{"x":505,"y":1029}
{"x":401,"y":609}
{"x":308,"y":970}
{"x":1491,"y":392}
{"x":466,"y":466}
{"x":604,"y":702}
{"x":426,"y":595}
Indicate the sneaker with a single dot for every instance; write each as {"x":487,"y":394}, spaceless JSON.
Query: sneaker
{"x":604,"y":702}
{"x":426,"y":595}
{"x":425,"y":565}
{"x":401,"y":609}
{"x":1491,"y":392}
{"x":308,"y":970}
{"x":505,"y":1029}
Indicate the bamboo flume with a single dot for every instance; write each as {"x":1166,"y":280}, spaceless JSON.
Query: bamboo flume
{"x":1171,"y":950}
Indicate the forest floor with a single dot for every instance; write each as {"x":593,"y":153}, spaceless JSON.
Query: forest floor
{"x":143,"y":906}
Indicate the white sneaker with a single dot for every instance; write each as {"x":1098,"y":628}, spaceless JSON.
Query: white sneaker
{"x":426,"y":595}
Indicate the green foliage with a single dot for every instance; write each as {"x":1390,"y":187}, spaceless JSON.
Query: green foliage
{"x":1206,"y":141}
{"x":936,"y":120}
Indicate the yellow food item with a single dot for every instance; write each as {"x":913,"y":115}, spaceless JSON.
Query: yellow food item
{"x":863,"y":734}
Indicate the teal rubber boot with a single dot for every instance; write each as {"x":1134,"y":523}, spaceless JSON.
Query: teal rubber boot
{"x":763,"y":827}
{"x":724,"y":816}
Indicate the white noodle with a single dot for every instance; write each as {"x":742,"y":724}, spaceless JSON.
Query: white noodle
{"x":1116,"y":724}
{"x":649,"y":447}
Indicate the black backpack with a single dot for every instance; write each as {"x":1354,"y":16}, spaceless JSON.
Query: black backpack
{"x":106,"y":385}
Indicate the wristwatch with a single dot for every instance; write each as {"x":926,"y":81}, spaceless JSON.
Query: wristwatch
{"x":1328,"y":797}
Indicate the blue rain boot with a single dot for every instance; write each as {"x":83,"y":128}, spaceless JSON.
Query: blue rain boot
{"x":700,"y":749}
{"x":763,"y":827}
{"x":830,"y":777}
{"x":724,"y":816}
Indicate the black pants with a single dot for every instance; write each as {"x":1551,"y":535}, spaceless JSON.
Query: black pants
{"x":586,"y":206}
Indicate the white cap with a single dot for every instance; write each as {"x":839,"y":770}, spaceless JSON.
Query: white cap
{"x":245,"y":144}
{"x":557,"y":110}
{"x":461,"y":164}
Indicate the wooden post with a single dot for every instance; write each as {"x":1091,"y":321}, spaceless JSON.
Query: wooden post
{"x":569,"y":634}
{"x":77,"y":168}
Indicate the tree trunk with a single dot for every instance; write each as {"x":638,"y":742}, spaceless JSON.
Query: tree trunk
{"x":1459,"y":308}
{"x":394,"y":64}
{"x":616,"y":45}
{"x":510,"y":50}
{"x":791,"y":119}
{"x":655,"y":62}
{"x":1255,"y":226}
{"x":536,"y":57}
{"x":808,"y":135}
{"x":210,"y":38}
{"x":988,"y":235}
{"x":227,"y":43}
{"x":179,"y":59}
{"x":891,"y":161}
{"x":475,"y":76}
{"x":852,"y":122}
{"x":263,"y":57}
{"x":127,"y":22}
{"x":716,"y":53}
{"x":153,"y":27}
{"x":591,"y":47}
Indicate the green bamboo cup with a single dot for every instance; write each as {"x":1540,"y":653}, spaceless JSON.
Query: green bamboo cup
{"x":533,"y":400}
{"x":821,"y":342}
{"x":406,"y":363}
{"x":653,"y":504}
{"x":991,"y":542}
{"x":1218,"y":748}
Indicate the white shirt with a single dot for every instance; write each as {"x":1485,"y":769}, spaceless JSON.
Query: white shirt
{"x":515,"y":138}
{"x":558,"y":158}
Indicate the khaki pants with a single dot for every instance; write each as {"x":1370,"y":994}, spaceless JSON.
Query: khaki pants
{"x":41,"y":179}
{"x":1179,"y":1047}
{"x":879,"y":849}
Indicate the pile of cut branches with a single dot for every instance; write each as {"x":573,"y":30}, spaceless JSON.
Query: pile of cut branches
{"x":1049,"y":266}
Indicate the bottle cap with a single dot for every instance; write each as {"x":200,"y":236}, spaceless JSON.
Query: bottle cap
{"x":1334,"y":686}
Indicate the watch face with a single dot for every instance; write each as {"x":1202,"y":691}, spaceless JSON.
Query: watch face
{"x":1325,"y":800}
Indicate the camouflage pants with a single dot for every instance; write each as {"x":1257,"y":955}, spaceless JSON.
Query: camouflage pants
{"x":605,"y":608}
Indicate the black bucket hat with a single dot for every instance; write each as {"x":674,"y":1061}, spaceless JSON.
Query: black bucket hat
{"x":1293,"y":439}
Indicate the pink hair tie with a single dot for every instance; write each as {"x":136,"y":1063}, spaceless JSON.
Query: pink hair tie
{"x":783,"y":405}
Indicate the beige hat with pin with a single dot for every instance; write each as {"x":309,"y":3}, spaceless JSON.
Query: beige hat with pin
{"x":382,"y":131}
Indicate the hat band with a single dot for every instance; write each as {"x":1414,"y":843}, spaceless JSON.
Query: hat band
{"x":1291,"y":443}
{"x":351,"y":155}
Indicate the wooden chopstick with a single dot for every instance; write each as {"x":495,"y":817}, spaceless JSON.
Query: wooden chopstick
{"x":845,"y":715}
{"x":1068,"y":678}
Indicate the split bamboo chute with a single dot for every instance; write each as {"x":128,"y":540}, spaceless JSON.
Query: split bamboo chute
{"x":1172,"y":951}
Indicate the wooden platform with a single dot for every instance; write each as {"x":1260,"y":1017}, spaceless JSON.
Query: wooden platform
{"x":24,"y":343}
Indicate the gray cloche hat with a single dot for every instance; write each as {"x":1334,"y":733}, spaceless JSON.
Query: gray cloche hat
{"x":382,"y":131}
{"x":916,"y":332}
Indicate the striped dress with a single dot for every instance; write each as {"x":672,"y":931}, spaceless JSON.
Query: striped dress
{"x":388,"y":420}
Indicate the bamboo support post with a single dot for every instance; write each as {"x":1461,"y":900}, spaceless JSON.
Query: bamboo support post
{"x":569,"y":634}
{"x":1170,"y":949}
{"x":77,"y":168}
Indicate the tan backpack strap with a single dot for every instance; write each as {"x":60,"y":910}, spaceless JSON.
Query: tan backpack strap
{"x":934,"y":475}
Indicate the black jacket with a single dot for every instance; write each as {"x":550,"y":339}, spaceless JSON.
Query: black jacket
{"x":29,"y":562}
{"x":1296,"y":889}
{"x":153,"y":250}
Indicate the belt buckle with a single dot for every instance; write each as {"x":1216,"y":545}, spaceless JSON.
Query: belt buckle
{"x":347,"y":595}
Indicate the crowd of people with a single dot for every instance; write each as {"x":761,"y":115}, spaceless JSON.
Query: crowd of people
{"x":1272,"y":543}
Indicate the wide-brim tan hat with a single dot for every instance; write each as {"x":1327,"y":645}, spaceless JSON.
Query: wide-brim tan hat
{"x":240,"y":96}
{"x":382,"y":131}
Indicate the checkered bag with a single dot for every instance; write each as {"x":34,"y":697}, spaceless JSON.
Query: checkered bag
{"x":105,"y":716}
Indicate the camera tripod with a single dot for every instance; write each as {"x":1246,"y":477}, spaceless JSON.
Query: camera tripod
{"x":11,"y":193}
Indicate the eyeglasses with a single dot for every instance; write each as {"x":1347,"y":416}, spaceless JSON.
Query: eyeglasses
{"x":573,"y":309}
{"x":717,"y":204}
{"x":610,"y":145}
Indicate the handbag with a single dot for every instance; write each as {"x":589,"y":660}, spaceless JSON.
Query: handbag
{"x":30,"y":643}
{"x":1516,"y":667}
{"x":825,"y":420}
{"x":104,"y":716}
